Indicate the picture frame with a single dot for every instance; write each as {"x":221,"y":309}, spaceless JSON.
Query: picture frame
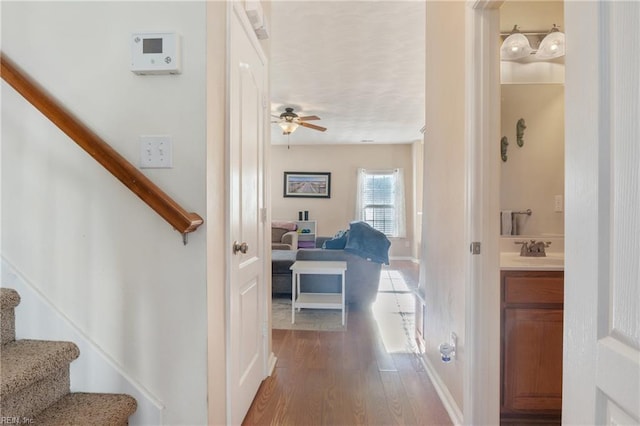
{"x":307,"y":184}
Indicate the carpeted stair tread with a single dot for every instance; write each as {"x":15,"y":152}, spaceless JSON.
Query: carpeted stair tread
{"x":25,"y":362}
{"x":88,"y":409}
{"x":9,"y":298}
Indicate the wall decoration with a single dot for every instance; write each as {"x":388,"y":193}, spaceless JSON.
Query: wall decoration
{"x":504,"y":143}
{"x":520,"y":126}
{"x":307,"y":184}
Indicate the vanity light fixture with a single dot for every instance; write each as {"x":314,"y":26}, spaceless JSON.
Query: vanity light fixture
{"x":532,"y":46}
{"x":515,"y":46}
{"x":552,"y":46}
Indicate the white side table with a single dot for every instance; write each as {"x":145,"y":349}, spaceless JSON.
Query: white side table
{"x":317,"y":300}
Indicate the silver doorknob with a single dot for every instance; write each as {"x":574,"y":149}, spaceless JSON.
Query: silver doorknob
{"x":240,"y":247}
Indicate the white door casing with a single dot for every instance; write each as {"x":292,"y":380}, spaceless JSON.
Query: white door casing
{"x":246,"y":309}
{"x":601,"y":379}
{"x":482,"y":296}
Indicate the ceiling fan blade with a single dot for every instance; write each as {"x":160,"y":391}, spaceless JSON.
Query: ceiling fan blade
{"x":309,"y":118}
{"x":312,"y":126}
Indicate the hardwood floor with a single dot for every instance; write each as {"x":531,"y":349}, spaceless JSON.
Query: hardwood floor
{"x":369,"y":375}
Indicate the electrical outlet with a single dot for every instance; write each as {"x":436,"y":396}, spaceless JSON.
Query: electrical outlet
{"x":558,"y":206}
{"x":156,"y":152}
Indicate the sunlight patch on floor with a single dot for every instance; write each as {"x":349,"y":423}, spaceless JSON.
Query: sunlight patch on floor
{"x":394,"y":313}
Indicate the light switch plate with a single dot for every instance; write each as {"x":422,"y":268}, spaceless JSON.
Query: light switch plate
{"x":558,"y":203}
{"x":156,"y":152}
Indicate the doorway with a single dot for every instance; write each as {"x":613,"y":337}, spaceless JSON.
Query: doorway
{"x":482,"y":402}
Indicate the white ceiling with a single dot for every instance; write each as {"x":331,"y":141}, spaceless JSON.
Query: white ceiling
{"x":358,"y":65}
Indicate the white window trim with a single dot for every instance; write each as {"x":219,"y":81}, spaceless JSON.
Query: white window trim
{"x":400,"y":227}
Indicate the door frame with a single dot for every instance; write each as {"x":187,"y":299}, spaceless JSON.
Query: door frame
{"x":482,"y":290}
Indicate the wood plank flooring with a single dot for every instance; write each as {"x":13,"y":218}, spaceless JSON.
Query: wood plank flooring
{"x":368,"y":375}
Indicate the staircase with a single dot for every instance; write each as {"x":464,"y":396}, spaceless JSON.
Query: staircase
{"x":34,"y":381}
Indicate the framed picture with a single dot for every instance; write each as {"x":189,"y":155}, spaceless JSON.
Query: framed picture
{"x":307,"y":185}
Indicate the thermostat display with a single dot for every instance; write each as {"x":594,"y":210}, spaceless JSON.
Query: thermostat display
{"x":152,"y":45}
{"x":155,"y":53}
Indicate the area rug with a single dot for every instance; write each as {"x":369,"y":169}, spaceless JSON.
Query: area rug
{"x":306,"y":319}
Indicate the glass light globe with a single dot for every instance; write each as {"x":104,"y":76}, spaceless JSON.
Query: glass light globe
{"x":552,"y":46}
{"x":515,"y":47}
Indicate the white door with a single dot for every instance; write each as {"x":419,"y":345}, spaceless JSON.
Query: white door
{"x":601,"y":380}
{"x":247,"y":98}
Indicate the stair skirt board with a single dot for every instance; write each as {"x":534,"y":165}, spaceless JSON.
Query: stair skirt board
{"x":93,"y":371}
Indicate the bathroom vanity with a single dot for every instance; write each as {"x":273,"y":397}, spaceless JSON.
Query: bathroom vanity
{"x":532,"y":296}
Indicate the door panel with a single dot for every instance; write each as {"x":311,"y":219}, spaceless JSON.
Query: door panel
{"x":602,"y":306}
{"x":249,"y":328}
{"x":247,"y":89}
{"x":618,"y":349}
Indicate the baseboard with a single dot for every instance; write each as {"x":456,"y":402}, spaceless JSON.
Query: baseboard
{"x":271,"y":364}
{"x":94,"y":370}
{"x":443,"y":392}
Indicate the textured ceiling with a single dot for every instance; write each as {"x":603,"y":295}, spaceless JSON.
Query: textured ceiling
{"x":358,"y":65}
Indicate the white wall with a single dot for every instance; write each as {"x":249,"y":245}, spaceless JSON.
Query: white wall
{"x":342,"y":161}
{"x":534,"y":174}
{"x":93,"y":249}
{"x":444,"y":249}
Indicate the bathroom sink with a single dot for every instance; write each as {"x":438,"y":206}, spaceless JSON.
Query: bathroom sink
{"x":553,"y":261}
{"x":556,"y":261}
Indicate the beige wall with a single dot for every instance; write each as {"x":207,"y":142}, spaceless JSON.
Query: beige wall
{"x":534,"y":174}
{"x":342,"y":161}
{"x":531,"y":16}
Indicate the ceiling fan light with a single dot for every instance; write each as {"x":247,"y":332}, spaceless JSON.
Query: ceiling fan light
{"x":552,"y":46}
{"x":288,"y":127}
{"x":515,"y":47}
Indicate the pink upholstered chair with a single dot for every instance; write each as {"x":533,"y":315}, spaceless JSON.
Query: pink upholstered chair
{"x":284,"y":236}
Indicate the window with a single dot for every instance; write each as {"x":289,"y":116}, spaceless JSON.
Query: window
{"x":380,"y":200}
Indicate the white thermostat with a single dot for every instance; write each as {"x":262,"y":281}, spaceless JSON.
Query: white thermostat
{"x":155,"y":53}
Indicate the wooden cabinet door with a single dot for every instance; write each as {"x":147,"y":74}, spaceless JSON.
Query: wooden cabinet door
{"x":532,"y":379}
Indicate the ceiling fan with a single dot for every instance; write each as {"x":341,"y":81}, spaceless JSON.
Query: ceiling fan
{"x":289,"y":121}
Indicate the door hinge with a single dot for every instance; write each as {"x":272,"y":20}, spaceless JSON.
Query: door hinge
{"x":264,"y":101}
{"x":475,"y":247}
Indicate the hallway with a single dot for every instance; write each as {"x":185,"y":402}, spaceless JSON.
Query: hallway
{"x":369,"y":375}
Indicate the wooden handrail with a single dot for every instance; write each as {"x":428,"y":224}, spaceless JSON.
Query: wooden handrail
{"x":183,"y":221}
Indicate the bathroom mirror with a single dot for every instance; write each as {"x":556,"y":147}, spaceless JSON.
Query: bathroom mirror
{"x":533,"y":175}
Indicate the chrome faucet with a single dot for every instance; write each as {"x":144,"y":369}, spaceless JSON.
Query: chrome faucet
{"x":533,"y":248}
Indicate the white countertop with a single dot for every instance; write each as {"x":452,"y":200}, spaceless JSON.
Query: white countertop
{"x":512,"y":261}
